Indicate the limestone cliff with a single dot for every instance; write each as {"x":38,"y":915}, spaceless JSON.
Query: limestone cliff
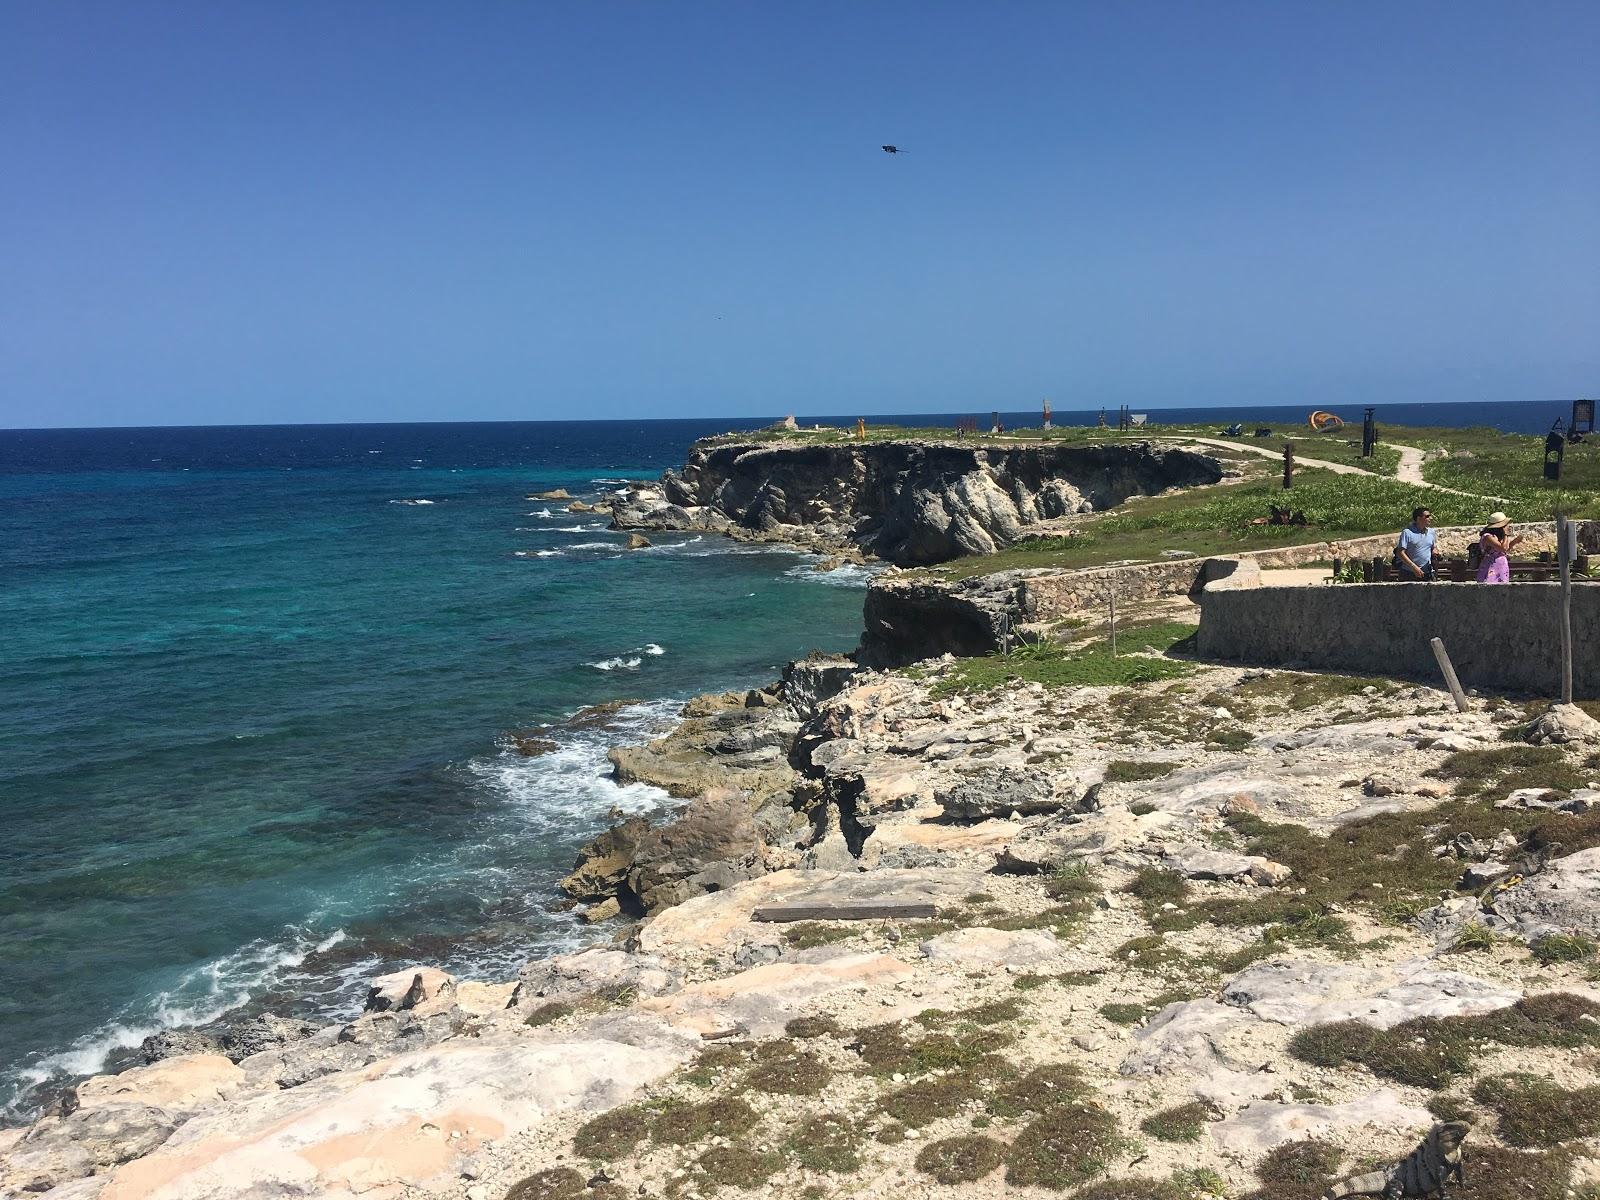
{"x":908,"y":502}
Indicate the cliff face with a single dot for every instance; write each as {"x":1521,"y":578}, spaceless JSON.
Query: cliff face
{"x":910,"y":503}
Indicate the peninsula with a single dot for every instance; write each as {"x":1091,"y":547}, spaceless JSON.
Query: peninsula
{"x":994,"y":905}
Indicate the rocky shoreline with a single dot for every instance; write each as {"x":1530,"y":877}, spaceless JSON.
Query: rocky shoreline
{"x":907,"y":502}
{"x":1182,"y":938}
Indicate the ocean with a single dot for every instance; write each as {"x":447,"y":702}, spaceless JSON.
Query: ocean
{"x":256,"y":687}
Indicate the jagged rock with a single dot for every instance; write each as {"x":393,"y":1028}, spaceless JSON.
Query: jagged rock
{"x":603,"y":864}
{"x":532,"y":746}
{"x":408,"y":988}
{"x":552,"y":494}
{"x":579,"y":506}
{"x":59,"y":1150}
{"x":982,"y":946}
{"x":637,"y":541}
{"x":1480,"y":875}
{"x":1564,"y":723}
{"x":181,"y":1084}
{"x":1579,"y":801}
{"x":596,"y":971}
{"x":1199,"y":863}
{"x":603,"y":910}
{"x":263,"y":1032}
{"x":996,"y":793}
{"x":1565,"y":897}
{"x":172,"y":1043}
{"x":809,"y":681}
{"x":1382,"y":785}
{"x":714,"y":843}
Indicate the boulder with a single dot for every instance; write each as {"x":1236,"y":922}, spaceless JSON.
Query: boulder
{"x":637,"y":541}
{"x":1264,"y":1125}
{"x":171,"y":1043}
{"x":58,"y":1150}
{"x":263,"y":1032}
{"x":593,"y":972}
{"x":717,"y":833}
{"x":999,"y":793}
{"x":408,"y":989}
{"x":810,"y":681}
{"x":1564,"y":897}
{"x":1564,"y":723}
{"x":603,"y":864}
{"x":552,"y":494}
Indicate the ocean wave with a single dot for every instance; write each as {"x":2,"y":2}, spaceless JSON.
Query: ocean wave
{"x":632,"y":663}
{"x":199,"y":996}
{"x":846,"y":575}
{"x":538,"y":553}
{"x":413,"y":502}
{"x":578,"y":528}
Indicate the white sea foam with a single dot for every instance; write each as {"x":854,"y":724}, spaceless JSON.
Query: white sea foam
{"x":578,"y":529}
{"x":199,"y":996}
{"x":846,"y":575}
{"x":538,"y":553}
{"x":617,"y":664}
{"x":652,"y":648}
{"x":594,"y":546}
{"x":412,"y":502}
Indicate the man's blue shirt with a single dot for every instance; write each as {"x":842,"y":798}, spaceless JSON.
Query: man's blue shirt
{"x":1418,"y":545}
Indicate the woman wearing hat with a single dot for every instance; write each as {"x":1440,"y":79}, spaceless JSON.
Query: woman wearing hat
{"x":1495,"y":544}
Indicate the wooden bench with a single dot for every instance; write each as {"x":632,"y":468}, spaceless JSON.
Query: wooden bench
{"x":1459,"y":570}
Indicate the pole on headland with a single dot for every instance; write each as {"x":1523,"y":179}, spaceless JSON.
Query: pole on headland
{"x":1288,"y":464}
{"x":1449,"y":674}
{"x":1564,"y":553}
{"x":1111,"y":599}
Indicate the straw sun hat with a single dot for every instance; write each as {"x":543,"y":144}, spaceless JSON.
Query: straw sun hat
{"x":1497,"y":520}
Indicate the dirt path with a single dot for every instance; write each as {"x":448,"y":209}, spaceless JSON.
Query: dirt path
{"x":1409,"y":470}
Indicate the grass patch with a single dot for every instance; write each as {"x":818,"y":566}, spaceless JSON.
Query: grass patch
{"x":960,"y":1159}
{"x":1493,"y":774}
{"x":736,"y":1166}
{"x":1055,"y":666}
{"x":1474,"y":935}
{"x":1562,"y":947}
{"x":681,"y":1124}
{"x":1297,"y":1171}
{"x":806,"y":935}
{"x":780,"y":1069}
{"x":1532,"y":1111}
{"x":889,"y":1049}
{"x":1431,"y":1051}
{"x":813,"y":1027}
{"x":1123,"y":1014}
{"x":827,"y":1143}
{"x":1125,"y":771}
{"x":993,"y":1013}
{"x":1184,"y":1123}
{"x":612,"y":1134}
{"x":1495,"y":1172}
{"x":549,"y":1013}
{"x":1134,"y":1187}
{"x":553,"y":1183}
{"x":1148,"y":953}
{"x":923,"y":1103}
{"x":1064,"y":1146}
{"x":1294,"y":692}
{"x":1040,"y":1090}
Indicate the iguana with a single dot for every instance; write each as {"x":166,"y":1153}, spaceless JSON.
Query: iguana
{"x":1424,"y":1171}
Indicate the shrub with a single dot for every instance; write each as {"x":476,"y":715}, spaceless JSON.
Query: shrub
{"x":828,"y":1143}
{"x":685,"y":1124}
{"x":960,"y":1159}
{"x":1064,"y":1146}
{"x":1297,"y":1171}
{"x":1184,"y":1123}
{"x":554,"y":1183}
{"x":1537,"y":1112}
{"x":612,"y":1134}
{"x":1562,"y":947}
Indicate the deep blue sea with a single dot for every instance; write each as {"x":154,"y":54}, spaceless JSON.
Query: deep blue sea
{"x":255,"y":686}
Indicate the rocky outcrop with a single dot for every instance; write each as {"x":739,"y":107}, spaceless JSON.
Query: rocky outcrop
{"x":903,"y":501}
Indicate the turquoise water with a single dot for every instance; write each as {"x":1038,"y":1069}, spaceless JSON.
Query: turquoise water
{"x":255,"y":696}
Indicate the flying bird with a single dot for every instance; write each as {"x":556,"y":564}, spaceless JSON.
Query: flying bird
{"x":892,"y":150}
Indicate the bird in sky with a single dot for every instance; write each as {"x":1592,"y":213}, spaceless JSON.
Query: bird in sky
{"x":892,"y":150}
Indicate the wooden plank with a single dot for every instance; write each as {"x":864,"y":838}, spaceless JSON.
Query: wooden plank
{"x":1449,"y":673}
{"x":865,"y":911}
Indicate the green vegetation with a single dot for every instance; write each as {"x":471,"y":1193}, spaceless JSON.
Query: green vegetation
{"x":1135,"y":1188}
{"x":828,"y":1143}
{"x":1123,"y":1013}
{"x":1474,"y":935}
{"x":1289,"y":690}
{"x":1185,"y":1123}
{"x":887,"y":1049}
{"x":1056,"y":665}
{"x":736,"y":1166}
{"x":1040,"y":1090}
{"x":1223,"y":520}
{"x":1533,"y":1111}
{"x":1431,"y":1051}
{"x":804,"y":935}
{"x":1297,"y":1171}
{"x":612,"y":1134}
{"x":1064,"y":1146}
{"x":1123,"y":771}
{"x":680,"y":1124}
{"x":549,"y":1013}
{"x":782,"y":1069}
{"x":1495,"y":773}
{"x":812,"y":1027}
{"x":960,"y":1159}
{"x":922,"y":1103}
{"x":1562,"y":947}
{"x":554,"y":1183}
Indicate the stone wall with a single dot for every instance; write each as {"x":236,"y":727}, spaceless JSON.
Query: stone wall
{"x":1503,"y":637}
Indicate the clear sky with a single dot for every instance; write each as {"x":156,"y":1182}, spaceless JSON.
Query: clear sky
{"x":276,"y":211}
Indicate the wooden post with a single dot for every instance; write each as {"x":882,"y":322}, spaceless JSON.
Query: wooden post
{"x":1449,"y":674}
{"x":1564,"y":552}
{"x":1288,"y":464}
{"x":1111,"y":599}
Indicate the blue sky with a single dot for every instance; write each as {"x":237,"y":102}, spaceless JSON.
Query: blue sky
{"x":224,"y":212}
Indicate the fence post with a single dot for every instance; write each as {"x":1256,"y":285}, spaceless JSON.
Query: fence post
{"x":1111,"y":599}
{"x":1449,"y":674}
{"x":1564,"y":551}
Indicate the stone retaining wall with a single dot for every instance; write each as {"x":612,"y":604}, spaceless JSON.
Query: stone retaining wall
{"x":1501,"y":637}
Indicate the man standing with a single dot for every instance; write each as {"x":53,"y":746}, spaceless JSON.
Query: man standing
{"x":1413,"y":550}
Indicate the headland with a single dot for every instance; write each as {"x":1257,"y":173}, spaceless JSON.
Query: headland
{"x":996,"y":905}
